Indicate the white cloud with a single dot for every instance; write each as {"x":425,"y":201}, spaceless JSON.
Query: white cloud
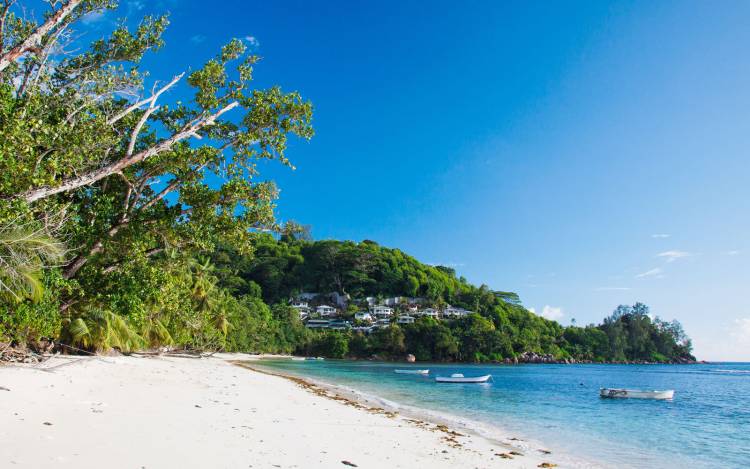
{"x":672,"y":256}
{"x":252,"y":41}
{"x":612,"y":288}
{"x":552,"y":312}
{"x":197,"y":39}
{"x":657,"y":272}
{"x":660,"y":235}
{"x":733,"y":252}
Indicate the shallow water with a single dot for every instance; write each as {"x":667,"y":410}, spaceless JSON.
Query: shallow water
{"x":707,"y":425}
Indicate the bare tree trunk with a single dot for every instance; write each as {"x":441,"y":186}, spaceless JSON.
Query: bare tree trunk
{"x":35,"y":38}
{"x":119,"y":165}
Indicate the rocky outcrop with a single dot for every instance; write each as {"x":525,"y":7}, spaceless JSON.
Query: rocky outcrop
{"x":532,"y":357}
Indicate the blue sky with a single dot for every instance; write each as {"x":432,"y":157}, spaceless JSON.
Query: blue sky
{"x":582,"y":154}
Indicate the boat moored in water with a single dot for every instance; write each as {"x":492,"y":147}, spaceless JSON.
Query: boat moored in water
{"x":636,"y":394}
{"x":459,"y":378}
{"x":412,"y":372}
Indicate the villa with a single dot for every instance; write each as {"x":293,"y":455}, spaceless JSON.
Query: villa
{"x":325,"y":311}
{"x":382,"y":323}
{"x":339,"y":325}
{"x":318,"y":324}
{"x":302,"y":308}
{"x":363,"y":316}
{"x":405,"y":320}
{"x":396,"y":300}
{"x":452,"y":311}
{"x":382,"y":311}
{"x":429,"y":312}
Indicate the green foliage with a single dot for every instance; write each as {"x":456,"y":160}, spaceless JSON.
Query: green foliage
{"x":100,"y":330}
{"x":27,"y":322}
{"x":329,"y":344}
{"x":24,"y":252}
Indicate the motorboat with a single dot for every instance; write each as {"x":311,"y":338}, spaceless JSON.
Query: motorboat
{"x":459,"y":378}
{"x":636,"y":393}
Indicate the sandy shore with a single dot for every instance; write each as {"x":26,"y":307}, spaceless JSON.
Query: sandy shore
{"x":128,"y":412}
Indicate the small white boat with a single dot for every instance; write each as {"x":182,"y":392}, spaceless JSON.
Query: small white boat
{"x":412,"y":372}
{"x":314,"y":358}
{"x":636,"y":394}
{"x":459,"y":378}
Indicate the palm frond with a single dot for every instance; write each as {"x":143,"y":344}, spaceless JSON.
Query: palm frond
{"x":24,"y":252}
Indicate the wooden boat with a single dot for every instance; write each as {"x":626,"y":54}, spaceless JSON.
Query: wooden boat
{"x":459,"y":378}
{"x":636,"y":394}
{"x":412,"y":372}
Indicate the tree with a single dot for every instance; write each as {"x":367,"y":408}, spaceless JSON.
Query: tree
{"x":390,"y":340}
{"x":84,"y":132}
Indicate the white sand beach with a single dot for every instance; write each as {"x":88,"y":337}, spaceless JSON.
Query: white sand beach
{"x":166,"y":412}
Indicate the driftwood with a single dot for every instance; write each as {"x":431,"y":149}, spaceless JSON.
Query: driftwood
{"x":10,"y":354}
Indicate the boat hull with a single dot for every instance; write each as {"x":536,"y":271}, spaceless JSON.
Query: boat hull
{"x":474,"y":379}
{"x":412,"y":372}
{"x":635,"y":394}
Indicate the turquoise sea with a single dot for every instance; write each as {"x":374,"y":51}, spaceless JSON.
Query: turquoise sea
{"x":707,"y":425}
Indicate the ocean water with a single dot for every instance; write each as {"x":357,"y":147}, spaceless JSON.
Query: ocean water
{"x":707,"y":425}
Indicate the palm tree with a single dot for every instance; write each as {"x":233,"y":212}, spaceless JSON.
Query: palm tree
{"x":24,"y":253}
{"x":101,"y":330}
{"x":204,"y":282}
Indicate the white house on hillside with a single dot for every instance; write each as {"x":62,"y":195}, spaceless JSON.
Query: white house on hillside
{"x":340,"y":300}
{"x":382,"y":323}
{"x":394,"y":300}
{"x":382,"y":311}
{"x":405,"y":320}
{"x":454,"y":312}
{"x":318,"y":324}
{"x":302,"y":308}
{"x":429,"y":312}
{"x":325,"y":311}
{"x":363,"y":316}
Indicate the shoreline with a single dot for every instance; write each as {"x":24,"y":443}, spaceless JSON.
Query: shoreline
{"x":163,"y":412}
{"x":493,"y":433}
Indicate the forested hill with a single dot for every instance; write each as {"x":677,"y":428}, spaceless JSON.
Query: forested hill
{"x":501,"y":329}
{"x":288,"y":267}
